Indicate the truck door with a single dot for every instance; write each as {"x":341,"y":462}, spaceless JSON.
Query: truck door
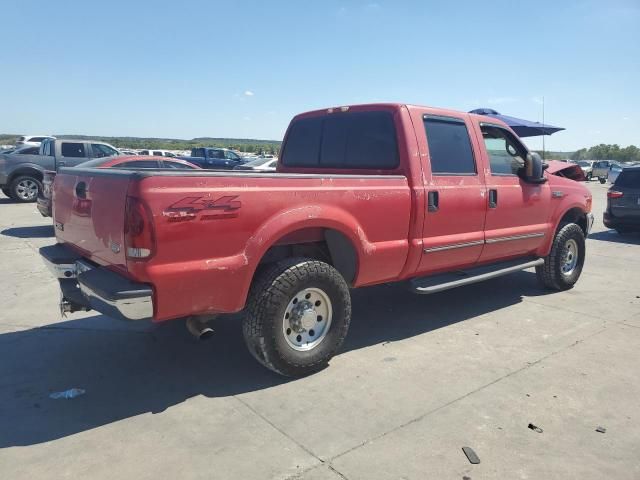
{"x":518,"y":212}
{"x":453,"y":232}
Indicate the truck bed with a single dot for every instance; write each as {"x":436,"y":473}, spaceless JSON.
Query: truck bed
{"x":213,"y":228}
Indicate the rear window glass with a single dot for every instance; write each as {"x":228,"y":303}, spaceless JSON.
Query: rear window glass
{"x":449,"y":146}
{"x":357,"y":140}
{"x":629,"y":179}
{"x":72,"y":150}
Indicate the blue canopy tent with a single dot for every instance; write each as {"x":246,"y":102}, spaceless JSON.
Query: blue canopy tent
{"x":524,"y":128}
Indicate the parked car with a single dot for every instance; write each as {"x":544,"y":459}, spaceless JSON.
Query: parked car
{"x":601,"y":169}
{"x":623,"y":202}
{"x":157,"y":153}
{"x":259,"y":164}
{"x":587,"y":168}
{"x":614,"y":171}
{"x":133,"y":162}
{"x":21,"y":173}
{"x":215,"y":158}
{"x":368,"y":194}
{"x":128,"y":152}
{"x":32,"y":140}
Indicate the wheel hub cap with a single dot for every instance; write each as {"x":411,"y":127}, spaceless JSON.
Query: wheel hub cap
{"x":307,"y":319}
{"x":570,"y":257}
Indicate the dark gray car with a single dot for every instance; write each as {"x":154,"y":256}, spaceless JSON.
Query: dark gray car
{"x":623,"y":202}
{"x":21,"y":174}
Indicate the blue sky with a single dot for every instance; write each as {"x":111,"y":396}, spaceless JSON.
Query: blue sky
{"x":244,"y":68}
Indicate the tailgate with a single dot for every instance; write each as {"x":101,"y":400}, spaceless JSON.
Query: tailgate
{"x":89,"y":212}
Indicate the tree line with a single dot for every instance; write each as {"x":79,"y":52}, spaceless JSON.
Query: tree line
{"x":608,"y":152}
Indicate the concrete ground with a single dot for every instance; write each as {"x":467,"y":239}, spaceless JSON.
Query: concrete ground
{"x":419,"y":378}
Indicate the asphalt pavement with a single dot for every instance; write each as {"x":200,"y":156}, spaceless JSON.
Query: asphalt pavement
{"x":419,"y":378}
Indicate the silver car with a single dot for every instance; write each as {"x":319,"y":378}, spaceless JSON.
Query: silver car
{"x":587,"y":167}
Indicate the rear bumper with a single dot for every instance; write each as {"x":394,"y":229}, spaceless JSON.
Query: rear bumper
{"x":612,"y":222}
{"x":87,"y":286}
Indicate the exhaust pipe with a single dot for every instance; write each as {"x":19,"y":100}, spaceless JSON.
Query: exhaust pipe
{"x":198,"y":327}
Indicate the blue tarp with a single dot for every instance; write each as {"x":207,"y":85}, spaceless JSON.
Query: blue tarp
{"x":524,"y":128}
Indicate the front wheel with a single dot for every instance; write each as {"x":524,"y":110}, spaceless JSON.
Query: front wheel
{"x":563,"y":266}
{"x":602,"y":179}
{"x":297,"y":316}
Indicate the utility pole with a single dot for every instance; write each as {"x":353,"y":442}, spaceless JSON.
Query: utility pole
{"x":543,"y":135}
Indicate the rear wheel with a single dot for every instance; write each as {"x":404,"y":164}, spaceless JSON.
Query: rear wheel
{"x":563,"y":266}
{"x":25,"y":188}
{"x":297,"y":317}
{"x":589,"y":177}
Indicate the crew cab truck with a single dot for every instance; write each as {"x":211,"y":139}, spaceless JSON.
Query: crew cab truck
{"x":362,"y":195}
{"x":21,"y":175}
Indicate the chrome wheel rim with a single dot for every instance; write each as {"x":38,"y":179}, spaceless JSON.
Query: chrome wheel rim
{"x":569,"y":257}
{"x":307,"y":319}
{"x":27,"y":189}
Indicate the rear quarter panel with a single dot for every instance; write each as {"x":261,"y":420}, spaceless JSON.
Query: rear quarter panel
{"x":206,"y":264}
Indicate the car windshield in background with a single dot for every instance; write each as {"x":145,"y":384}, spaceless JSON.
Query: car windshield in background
{"x":628,"y":179}
{"x":259,"y":162}
{"x":584,"y":164}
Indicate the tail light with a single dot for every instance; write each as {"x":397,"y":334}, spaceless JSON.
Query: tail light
{"x":139,"y":235}
{"x":614,"y":194}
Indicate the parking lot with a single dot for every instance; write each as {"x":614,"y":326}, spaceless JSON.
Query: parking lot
{"x":419,"y":378}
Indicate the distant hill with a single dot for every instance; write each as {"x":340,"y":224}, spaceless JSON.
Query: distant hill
{"x":242,"y":144}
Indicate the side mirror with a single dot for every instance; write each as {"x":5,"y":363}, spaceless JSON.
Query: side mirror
{"x":533,"y":171}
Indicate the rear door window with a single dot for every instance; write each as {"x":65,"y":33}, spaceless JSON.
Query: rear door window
{"x":354,"y":140}
{"x":157,"y":153}
{"x":72,"y":149}
{"x":628,"y":179}
{"x":450,"y":149}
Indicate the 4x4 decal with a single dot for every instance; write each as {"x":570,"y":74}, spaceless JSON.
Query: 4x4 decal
{"x":189,"y":207}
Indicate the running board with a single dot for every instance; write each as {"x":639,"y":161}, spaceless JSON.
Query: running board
{"x":445,"y":281}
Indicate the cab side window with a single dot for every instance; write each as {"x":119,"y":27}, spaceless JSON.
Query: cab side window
{"x":506,"y":154}
{"x":69,"y":149}
{"x":450,"y":149}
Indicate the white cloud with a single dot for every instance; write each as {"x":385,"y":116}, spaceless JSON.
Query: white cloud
{"x":248,"y":93}
{"x":501,"y":100}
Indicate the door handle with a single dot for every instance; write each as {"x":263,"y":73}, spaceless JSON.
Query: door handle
{"x":493,"y":198}
{"x":433,"y":201}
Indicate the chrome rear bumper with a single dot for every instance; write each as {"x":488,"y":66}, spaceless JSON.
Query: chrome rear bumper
{"x":93,"y":287}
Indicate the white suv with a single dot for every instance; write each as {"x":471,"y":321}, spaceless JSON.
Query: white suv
{"x":31,"y":140}
{"x":157,"y":153}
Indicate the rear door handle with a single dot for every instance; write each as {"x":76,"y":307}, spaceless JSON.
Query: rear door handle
{"x":493,"y":198}
{"x":433,"y":201}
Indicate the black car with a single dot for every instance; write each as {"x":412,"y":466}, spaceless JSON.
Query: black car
{"x":623,"y":202}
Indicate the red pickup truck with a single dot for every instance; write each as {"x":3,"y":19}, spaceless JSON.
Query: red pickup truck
{"x":362,"y":195}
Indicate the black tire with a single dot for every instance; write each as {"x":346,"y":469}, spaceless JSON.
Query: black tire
{"x":550,"y":274}
{"x":7,"y":192}
{"x":22,"y":188}
{"x":602,"y":179}
{"x":589,"y":177}
{"x":275,"y":286}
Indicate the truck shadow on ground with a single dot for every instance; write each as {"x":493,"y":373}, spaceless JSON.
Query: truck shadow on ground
{"x":615,"y":237}
{"x":36,"y":231}
{"x":128,"y":369}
